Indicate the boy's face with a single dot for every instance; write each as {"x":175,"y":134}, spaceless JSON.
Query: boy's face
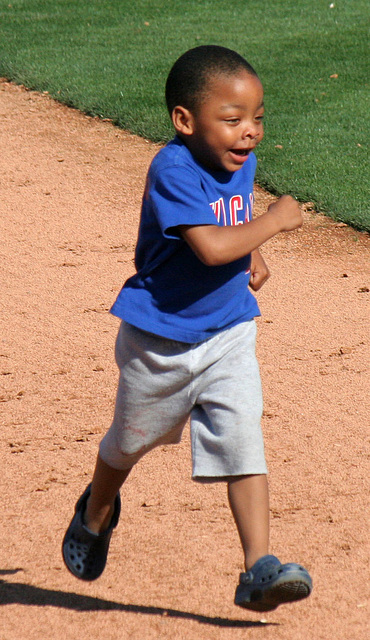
{"x":228,"y":124}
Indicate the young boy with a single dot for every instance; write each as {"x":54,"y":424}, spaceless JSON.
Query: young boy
{"x":186,"y":345}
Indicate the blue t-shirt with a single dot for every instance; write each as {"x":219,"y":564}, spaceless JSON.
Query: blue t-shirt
{"x":173,"y":294}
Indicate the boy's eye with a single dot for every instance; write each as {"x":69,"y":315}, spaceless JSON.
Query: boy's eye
{"x":233,"y":120}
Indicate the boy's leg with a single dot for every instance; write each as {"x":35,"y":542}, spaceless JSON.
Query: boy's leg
{"x":227,"y":444}
{"x":86,"y":542}
{"x":249,"y":503}
{"x":132,"y":434}
{"x":104,"y":487}
{"x":267,"y":583}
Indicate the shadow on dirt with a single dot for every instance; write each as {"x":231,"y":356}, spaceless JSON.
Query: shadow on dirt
{"x":25,"y":594}
{"x":9,"y":572}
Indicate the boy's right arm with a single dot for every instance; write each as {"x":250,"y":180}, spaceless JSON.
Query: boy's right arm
{"x":215,"y":245}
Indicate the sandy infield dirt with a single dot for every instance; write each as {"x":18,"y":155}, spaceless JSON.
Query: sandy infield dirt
{"x":70,"y":199}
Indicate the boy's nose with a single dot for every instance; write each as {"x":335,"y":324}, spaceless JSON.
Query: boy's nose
{"x":250,"y":132}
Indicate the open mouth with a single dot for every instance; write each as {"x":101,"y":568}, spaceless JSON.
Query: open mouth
{"x":241,"y":152}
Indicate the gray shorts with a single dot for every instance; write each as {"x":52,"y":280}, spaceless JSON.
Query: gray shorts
{"x":162,"y":382}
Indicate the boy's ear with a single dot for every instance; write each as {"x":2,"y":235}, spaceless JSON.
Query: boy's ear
{"x":183,"y":121}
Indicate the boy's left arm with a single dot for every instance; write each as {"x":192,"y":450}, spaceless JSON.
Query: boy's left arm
{"x":259,"y":271}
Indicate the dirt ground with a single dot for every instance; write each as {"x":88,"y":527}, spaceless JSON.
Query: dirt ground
{"x":70,"y":198}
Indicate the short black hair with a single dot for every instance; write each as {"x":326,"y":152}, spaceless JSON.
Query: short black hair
{"x":188,"y":79}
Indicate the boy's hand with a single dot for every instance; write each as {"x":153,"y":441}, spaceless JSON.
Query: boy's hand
{"x":259,"y":271}
{"x":287,"y":210}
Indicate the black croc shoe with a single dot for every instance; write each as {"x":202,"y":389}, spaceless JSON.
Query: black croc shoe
{"x":84,"y":552}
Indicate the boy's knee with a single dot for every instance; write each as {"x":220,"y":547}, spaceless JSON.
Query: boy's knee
{"x":120,"y":457}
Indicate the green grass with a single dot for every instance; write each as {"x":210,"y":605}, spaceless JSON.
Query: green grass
{"x":111,"y":59}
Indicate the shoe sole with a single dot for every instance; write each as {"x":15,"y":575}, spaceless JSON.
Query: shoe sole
{"x":282,"y":592}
